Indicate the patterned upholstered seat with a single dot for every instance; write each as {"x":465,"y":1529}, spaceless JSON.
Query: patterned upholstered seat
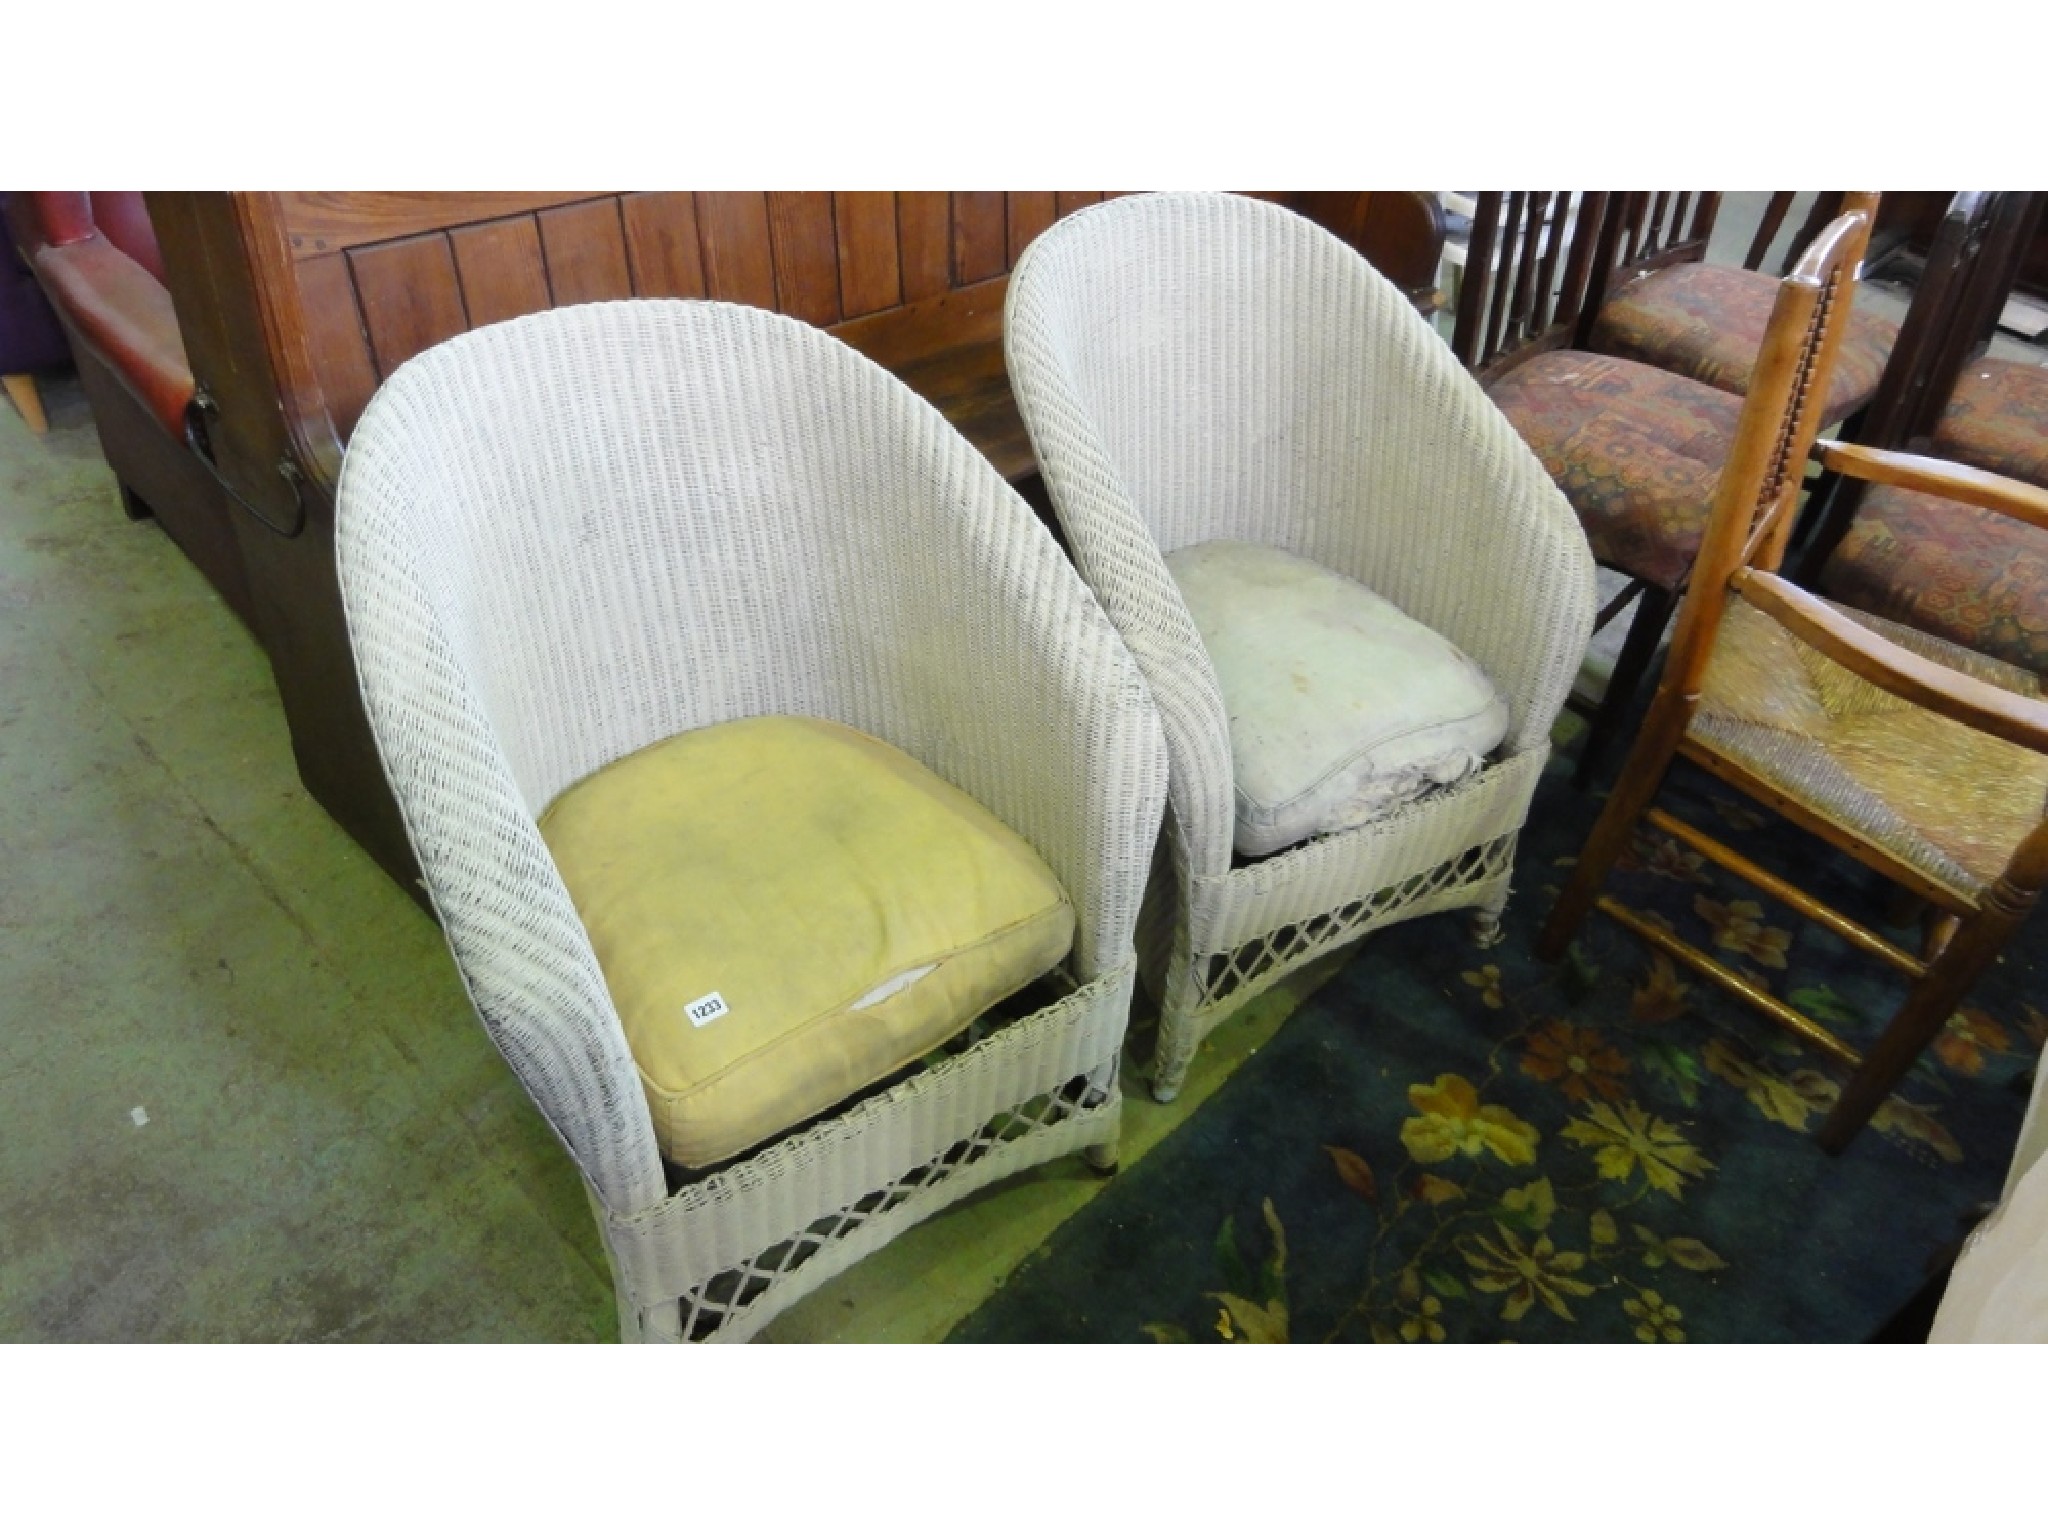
{"x":1708,"y":323}
{"x":1637,"y":451}
{"x":1997,"y":419}
{"x":1967,"y":575}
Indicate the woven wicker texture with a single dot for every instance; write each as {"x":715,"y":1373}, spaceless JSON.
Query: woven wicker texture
{"x":1200,"y":366}
{"x":1951,"y":802}
{"x":571,"y":535}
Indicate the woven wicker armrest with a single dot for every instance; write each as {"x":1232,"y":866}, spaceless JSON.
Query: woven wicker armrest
{"x":1461,"y":525}
{"x":1119,"y":556}
{"x":994,"y":668}
{"x":1939,"y":477}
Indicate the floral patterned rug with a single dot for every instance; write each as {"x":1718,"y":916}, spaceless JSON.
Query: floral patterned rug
{"x":1444,"y":1144}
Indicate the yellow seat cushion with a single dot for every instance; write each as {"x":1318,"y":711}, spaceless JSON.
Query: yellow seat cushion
{"x":827,"y":907}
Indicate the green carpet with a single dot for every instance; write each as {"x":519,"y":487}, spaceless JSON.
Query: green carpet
{"x":1445,"y":1144}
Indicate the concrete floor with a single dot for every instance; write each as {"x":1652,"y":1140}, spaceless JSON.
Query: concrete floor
{"x":245,"y":1100}
{"x":245,"y":1097}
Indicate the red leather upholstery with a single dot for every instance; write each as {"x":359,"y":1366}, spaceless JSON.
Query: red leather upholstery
{"x":97,"y":259}
{"x":123,"y":219}
{"x":126,"y":313}
{"x":53,"y":218}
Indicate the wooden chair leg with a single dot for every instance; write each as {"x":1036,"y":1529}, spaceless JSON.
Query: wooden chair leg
{"x":1926,"y":1009}
{"x":21,"y":389}
{"x":1640,"y":781}
{"x":1645,"y":630}
{"x":138,"y":510}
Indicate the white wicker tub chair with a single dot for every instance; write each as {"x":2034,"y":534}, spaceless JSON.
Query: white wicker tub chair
{"x":568,"y":536}
{"x":1196,"y":367}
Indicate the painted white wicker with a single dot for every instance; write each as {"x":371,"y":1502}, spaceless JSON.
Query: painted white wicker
{"x":569,"y":535}
{"x":1196,"y":366}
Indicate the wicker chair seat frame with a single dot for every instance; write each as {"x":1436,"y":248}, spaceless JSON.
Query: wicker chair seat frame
{"x":1198,"y":366}
{"x":573,"y":534}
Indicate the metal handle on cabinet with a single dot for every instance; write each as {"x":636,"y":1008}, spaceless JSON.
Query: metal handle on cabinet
{"x":203,"y":406}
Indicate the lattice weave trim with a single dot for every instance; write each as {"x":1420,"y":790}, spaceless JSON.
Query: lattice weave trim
{"x":1078,"y":1113}
{"x":1232,"y":975}
{"x":746,"y":1242}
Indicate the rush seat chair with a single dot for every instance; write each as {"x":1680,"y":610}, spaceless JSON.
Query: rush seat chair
{"x":1923,"y":761}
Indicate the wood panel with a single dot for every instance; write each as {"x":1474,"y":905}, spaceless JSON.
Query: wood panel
{"x":585,"y":246}
{"x":924,"y":233}
{"x":927,"y":267}
{"x":963,"y":317}
{"x":980,"y":237}
{"x":870,"y":264}
{"x":409,"y":295}
{"x":1030,"y":214}
{"x":661,"y":244}
{"x":949,"y":348}
{"x":320,"y":222}
{"x":500,"y":268}
{"x":806,"y":253}
{"x":335,"y":339}
{"x":739,"y":261}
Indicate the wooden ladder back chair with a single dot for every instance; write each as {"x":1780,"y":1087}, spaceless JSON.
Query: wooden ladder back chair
{"x":1798,"y":702}
{"x":1662,"y":303}
{"x":1970,"y":270}
{"x":1660,"y":229}
{"x":1528,"y":267}
{"x":1638,"y":448}
{"x":1539,"y":263}
{"x":1945,"y":568}
{"x":1650,"y":232}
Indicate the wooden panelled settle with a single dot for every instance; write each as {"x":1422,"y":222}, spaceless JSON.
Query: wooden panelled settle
{"x":384,"y":276}
{"x":296,"y":306}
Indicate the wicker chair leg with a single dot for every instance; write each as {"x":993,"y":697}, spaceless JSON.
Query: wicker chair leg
{"x":1170,"y":1069}
{"x":1486,"y":928}
{"x":1103,"y":1156}
{"x":657,"y":1325}
{"x":1180,"y":1019}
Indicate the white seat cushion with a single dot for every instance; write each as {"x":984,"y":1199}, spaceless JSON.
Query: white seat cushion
{"x":1342,"y":708}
